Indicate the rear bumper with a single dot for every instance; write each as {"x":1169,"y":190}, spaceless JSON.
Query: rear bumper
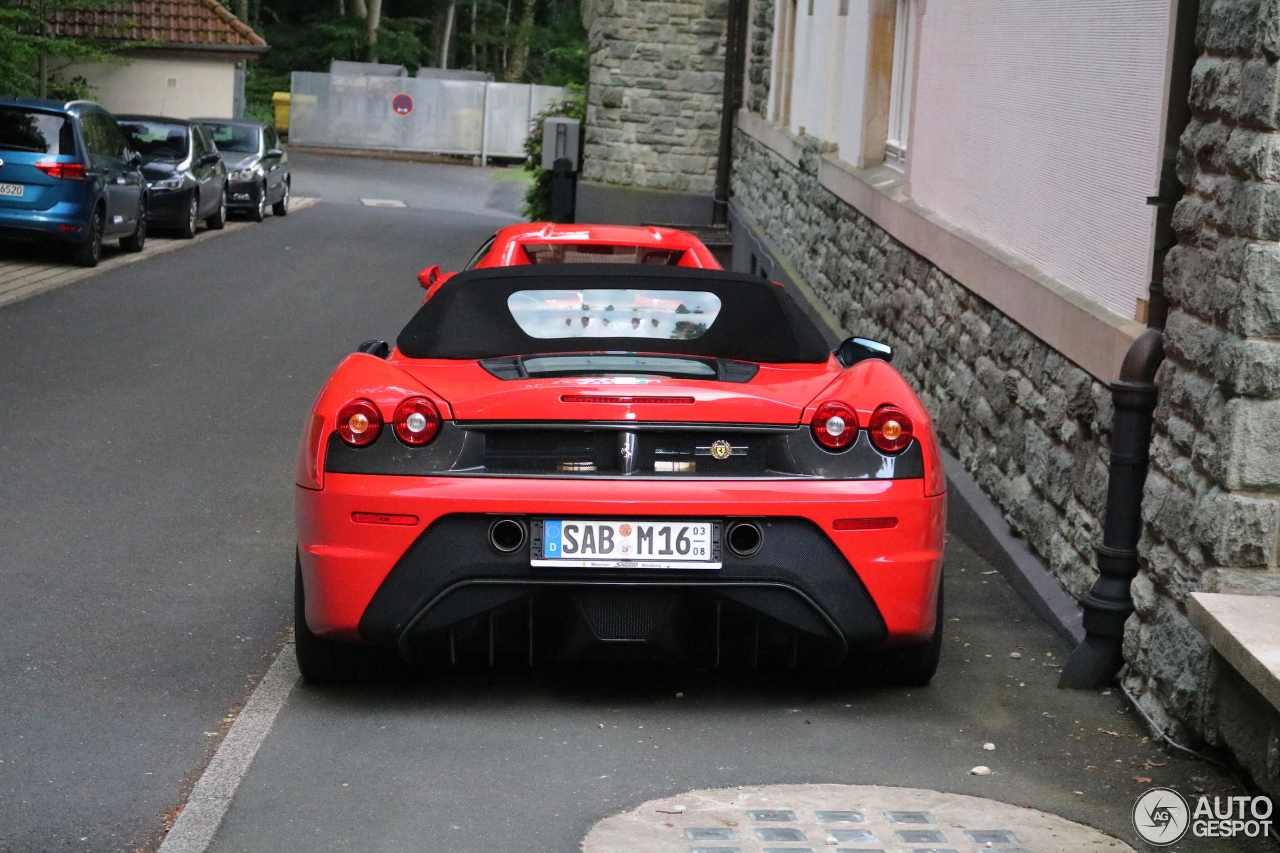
{"x":390,"y":583}
{"x":62,"y":223}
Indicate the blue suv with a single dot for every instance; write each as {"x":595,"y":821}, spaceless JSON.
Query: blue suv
{"x":67,"y":176}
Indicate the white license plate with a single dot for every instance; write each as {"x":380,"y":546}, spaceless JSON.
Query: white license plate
{"x":591,"y":544}
{"x":12,"y":190}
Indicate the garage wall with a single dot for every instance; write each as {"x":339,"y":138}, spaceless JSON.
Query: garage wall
{"x":181,"y":88}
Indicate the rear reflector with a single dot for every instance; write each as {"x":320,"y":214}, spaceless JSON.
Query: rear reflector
{"x":383,"y":518}
{"x":864,"y":523}
{"x":68,"y":227}
{"x":585,"y":398}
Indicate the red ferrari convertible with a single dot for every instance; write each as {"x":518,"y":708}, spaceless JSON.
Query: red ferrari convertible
{"x":618,"y":462}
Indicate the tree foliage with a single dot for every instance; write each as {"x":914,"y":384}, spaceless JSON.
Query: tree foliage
{"x":28,"y":34}
{"x":527,"y":41}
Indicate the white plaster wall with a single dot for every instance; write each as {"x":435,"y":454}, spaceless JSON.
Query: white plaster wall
{"x":1038,"y":125}
{"x":853,"y":89}
{"x":181,"y":88}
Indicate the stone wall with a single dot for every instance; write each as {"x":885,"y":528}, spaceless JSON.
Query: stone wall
{"x":1212,"y":503}
{"x":1031,"y":427}
{"x":656,"y":84}
{"x":759,"y":57}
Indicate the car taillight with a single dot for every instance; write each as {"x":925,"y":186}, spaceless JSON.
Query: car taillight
{"x":65,"y":171}
{"x":359,"y":423}
{"x":309,"y":474}
{"x":417,"y":421}
{"x":890,"y":429}
{"x":834,"y":425}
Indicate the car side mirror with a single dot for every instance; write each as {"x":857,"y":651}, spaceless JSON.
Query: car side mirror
{"x":428,"y":277}
{"x":375,"y":348}
{"x":134,"y":159}
{"x":274,"y":152}
{"x":853,"y":350}
{"x":209,"y":158}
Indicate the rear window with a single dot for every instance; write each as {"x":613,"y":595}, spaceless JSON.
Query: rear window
{"x":31,"y":130}
{"x":679,"y":315}
{"x":234,"y":137}
{"x":594,"y":253}
{"x":157,"y":140}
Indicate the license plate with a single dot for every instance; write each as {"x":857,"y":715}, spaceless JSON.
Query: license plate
{"x":599,"y":544}
{"x":12,"y":190}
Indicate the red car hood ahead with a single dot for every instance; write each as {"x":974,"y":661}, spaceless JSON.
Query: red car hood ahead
{"x":776,"y":395}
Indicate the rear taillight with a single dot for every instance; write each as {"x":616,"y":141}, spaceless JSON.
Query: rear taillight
{"x":65,"y":171}
{"x":890,"y":429}
{"x":417,"y":421}
{"x":834,"y":425}
{"x":310,"y":475}
{"x":359,"y":423}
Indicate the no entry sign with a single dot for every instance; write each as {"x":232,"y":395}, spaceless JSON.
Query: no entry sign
{"x":402,"y":104}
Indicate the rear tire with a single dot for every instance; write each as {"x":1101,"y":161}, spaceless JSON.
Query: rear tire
{"x":88,"y":253}
{"x":137,"y":241}
{"x":324,"y":661}
{"x":219,"y":219}
{"x":281,"y":208}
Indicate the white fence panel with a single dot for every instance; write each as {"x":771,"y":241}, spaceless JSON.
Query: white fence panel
{"x":415,"y":114}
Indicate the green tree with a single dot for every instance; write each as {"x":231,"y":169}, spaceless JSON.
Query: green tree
{"x":33,"y":54}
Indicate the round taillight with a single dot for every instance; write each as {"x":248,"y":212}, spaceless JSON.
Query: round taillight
{"x":359,"y":423}
{"x":417,"y":421}
{"x":834,"y":425}
{"x":890,"y":429}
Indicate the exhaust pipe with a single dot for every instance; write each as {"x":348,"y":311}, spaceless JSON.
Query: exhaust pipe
{"x":744,"y":538}
{"x":506,"y":535}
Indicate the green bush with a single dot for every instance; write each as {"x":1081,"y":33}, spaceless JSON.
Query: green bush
{"x":537,"y":207}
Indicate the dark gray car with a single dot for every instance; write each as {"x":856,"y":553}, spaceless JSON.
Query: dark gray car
{"x":257,"y":166}
{"x":186,"y":179}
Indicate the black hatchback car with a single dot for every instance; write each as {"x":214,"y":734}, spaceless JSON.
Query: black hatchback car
{"x":186,"y":177}
{"x":68,"y":177}
{"x":257,"y":167}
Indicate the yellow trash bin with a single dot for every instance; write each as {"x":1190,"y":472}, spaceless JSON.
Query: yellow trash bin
{"x":280,"y":101}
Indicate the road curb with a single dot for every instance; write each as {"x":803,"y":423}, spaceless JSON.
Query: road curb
{"x":46,"y":277}
{"x":205,"y":808}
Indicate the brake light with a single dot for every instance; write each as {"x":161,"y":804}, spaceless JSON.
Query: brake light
{"x":595,"y":398}
{"x":890,"y":429}
{"x":834,"y":425}
{"x":359,"y":423}
{"x":416,"y":421}
{"x":64,"y":171}
{"x":309,"y":473}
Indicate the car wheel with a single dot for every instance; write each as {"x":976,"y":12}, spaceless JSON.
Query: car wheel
{"x":281,"y":208}
{"x":259,"y":211}
{"x":88,"y":253}
{"x":138,"y":240}
{"x":188,"y":228}
{"x":219,"y":219}
{"x":324,"y":661}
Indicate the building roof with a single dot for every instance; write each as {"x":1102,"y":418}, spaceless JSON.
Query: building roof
{"x":190,"y":24}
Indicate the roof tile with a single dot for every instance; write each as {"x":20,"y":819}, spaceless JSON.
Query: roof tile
{"x":185,"y":22}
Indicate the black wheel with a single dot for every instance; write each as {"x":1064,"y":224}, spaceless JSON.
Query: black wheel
{"x":219,"y":219}
{"x":907,"y":666}
{"x":324,"y":661}
{"x":88,"y":253}
{"x":138,"y":239}
{"x":281,"y":208}
{"x":259,"y":211}
{"x":188,"y":228}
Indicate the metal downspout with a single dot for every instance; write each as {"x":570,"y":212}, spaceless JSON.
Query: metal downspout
{"x":1095,"y":662}
{"x":734,"y":66}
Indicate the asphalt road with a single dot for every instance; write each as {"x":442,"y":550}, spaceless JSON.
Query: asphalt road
{"x":148,"y":424}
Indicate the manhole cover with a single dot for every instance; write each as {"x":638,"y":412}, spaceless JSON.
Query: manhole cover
{"x":836,"y":818}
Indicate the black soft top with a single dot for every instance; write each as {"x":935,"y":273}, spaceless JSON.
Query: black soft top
{"x":468,"y":317}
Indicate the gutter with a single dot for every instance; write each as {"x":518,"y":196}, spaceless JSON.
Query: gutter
{"x":735,"y":55}
{"x":1108,"y":604}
